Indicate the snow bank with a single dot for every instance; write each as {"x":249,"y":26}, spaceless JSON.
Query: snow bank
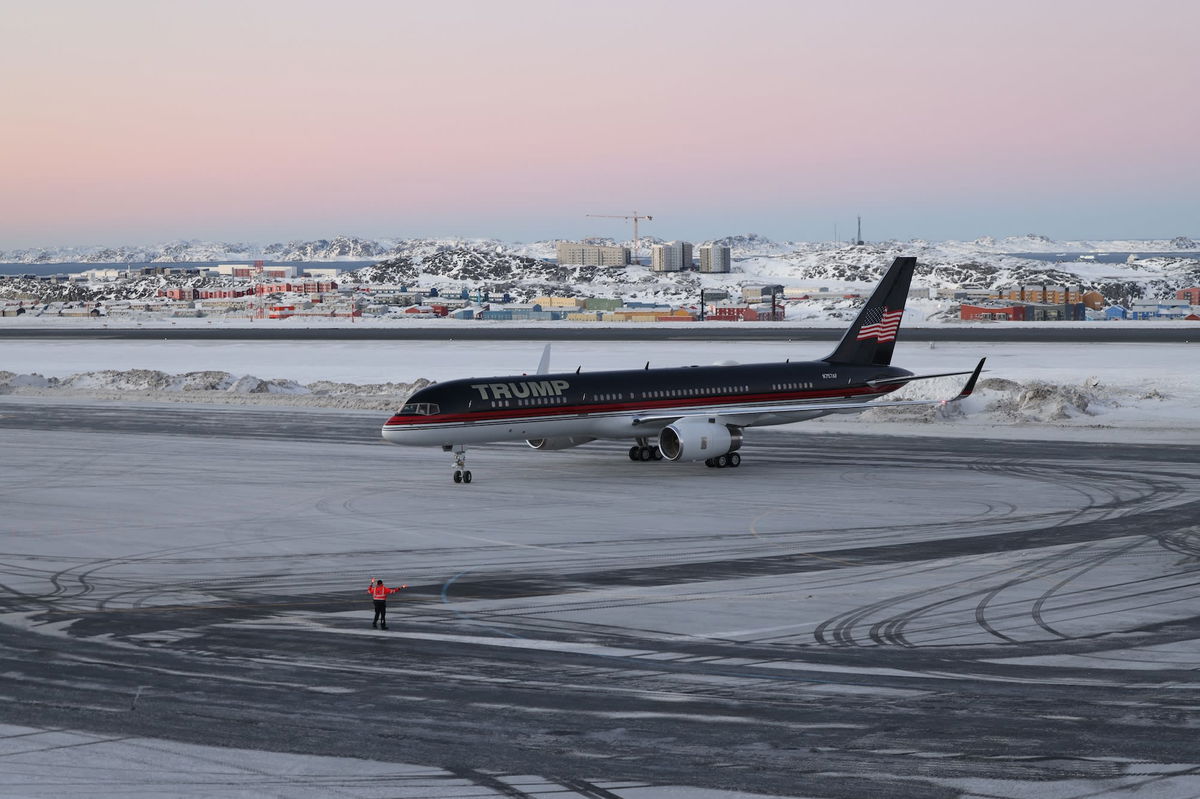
{"x":1004,"y":401}
{"x":208,"y":386}
{"x":996,"y":401}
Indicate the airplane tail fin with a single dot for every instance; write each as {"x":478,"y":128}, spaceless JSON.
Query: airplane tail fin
{"x":872,"y":337}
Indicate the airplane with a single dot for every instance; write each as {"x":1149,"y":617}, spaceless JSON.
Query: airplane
{"x":683,"y":414}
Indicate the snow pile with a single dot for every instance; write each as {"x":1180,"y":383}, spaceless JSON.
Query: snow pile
{"x":209,"y":386}
{"x":998,"y":401}
{"x":249,"y":384}
{"x":112,"y":380}
{"x":22,"y":381}
{"x":1046,"y":402}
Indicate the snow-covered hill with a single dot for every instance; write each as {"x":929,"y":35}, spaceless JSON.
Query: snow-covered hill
{"x":354,"y":248}
{"x":796,"y":266}
{"x":526,"y":270}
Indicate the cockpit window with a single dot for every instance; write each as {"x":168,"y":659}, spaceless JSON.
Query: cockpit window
{"x":420,"y":409}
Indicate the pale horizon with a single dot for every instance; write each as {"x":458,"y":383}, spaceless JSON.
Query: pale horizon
{"x":134,"y":122}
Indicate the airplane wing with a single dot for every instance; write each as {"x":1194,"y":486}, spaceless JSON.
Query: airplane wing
{"x":884,"y":381}
{"x":799,"y":407}
{"x":544,"y":363}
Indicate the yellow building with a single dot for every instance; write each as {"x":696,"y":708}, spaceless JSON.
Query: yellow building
{"x":558,"y":302}
{"x":1056,"y":295}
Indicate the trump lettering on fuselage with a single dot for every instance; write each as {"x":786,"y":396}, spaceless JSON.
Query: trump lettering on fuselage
{"x":529,"y":388}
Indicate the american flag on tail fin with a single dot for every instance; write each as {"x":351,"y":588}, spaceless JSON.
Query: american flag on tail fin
{"x":880,"y":323}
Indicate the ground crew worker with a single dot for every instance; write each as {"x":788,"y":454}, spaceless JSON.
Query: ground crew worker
{"x":379,"y":592}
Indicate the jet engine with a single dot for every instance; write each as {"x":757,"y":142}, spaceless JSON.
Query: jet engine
{"x":698,"y":440}
{"x":564,"y":442}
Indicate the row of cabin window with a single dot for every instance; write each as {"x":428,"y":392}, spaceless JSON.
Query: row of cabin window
{"x":677,"y":392}
{"x":692,"y":392}
{"x":527,"y":402}
{"x":790,"y":386}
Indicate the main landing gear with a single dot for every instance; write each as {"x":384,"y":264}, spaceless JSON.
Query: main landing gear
{"x":732,"y":460}
{"x":642,"y":451}
{"x":461,"y":473}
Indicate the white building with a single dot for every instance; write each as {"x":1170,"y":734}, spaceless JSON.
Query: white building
{"x":323,"y":272}
{"x":103,"y":274}
{"x":257,"y":270}
{"x":671,"y":257}
{"x":1159,"y":309}
{"x":570,"y":252}
{"x":714,"y":258}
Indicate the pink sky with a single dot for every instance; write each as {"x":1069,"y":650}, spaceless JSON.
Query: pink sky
{"x":135,"y":121}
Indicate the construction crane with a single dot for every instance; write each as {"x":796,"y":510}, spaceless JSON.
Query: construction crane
{"x":636,"y":217}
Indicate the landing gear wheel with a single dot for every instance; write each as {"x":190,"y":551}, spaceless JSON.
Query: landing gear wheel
{"x":656,"y":453}
{"x":735,"y":460}
{"x":644,"y":453}
{"x":461,"y":475}
{"x":634,"y":453}
{"x":722,"y":461}
{"x":710,"y":463}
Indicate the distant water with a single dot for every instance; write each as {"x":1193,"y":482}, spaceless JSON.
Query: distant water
{"x":1100,"y":258}
{"x":68,"y":268}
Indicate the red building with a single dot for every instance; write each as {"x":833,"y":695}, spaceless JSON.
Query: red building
{"x":221,"y":293}
{"x":741,"y":313}
{"x":296,"y":286}
{"x":188,"y":293}
{"x":433,"y":308}
{"x":731,"y":313}
{"x":1006,"y":313}
{"x":1191,"y":295}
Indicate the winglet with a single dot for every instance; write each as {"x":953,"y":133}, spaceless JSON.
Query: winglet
{"x":544,"y":364}
{"x":971,"y":381}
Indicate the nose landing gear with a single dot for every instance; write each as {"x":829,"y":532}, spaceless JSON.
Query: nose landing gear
{"x":461,"y":473}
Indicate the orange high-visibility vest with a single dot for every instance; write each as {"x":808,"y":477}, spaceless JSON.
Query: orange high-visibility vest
{"x":381,"y":592}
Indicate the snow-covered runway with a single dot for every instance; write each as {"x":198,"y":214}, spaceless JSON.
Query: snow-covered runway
{"x":843,"y":615}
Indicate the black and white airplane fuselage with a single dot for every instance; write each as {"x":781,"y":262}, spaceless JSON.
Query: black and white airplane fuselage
{"x":691,"y":413}
{"x":633,"y":403}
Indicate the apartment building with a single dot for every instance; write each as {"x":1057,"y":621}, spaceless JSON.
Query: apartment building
{"x":714,"y":258}
{"x":575,"y":253}
{"x":673,"y":256}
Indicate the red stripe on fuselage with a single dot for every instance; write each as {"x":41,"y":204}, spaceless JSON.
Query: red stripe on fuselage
{"x":664,"y":404}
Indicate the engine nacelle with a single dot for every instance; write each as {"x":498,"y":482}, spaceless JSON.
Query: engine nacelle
{"x":564,"y":442}
{"x":698,"y":440}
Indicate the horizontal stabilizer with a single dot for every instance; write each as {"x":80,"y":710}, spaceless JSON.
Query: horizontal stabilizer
{"x":888,"y":381}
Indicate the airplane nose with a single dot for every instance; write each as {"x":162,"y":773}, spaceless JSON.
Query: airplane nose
{"x":392,"y":432}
